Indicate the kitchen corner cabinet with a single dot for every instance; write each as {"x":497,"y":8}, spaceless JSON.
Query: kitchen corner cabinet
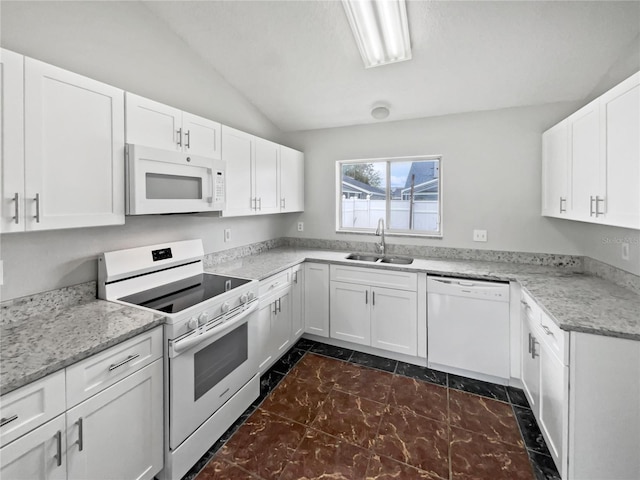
{"x":598,"y":150}
{"x":154,"y":124}
{"x":115,"y":431}
{"x":291,"y":180}
{"x":316,"y":299}
{"x":70,"y":172}
{"x":589,"y":418}
{"x":375,"y":308}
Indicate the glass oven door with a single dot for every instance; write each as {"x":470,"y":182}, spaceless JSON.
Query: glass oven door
{"x":204,"y":375}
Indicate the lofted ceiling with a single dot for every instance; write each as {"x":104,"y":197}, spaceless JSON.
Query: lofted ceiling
{"x":298,"y":63}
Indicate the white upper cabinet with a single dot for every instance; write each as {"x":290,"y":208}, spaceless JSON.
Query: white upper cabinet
{"x":620,"y":151}
{"x":266,"y":162}
{"x":262,"y":176}
{"x":154,"y":124}
{"x":603,"y":150}
{"x":555,"y":171}
{"x":291,"y":180}
{"x":585,"y":160}
{"x":12,"y":149}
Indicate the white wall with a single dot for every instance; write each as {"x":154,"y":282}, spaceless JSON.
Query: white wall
{"x":490,"y":169}
{"x":123,"y":44}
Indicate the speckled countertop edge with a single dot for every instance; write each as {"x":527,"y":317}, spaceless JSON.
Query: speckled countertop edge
{"x":576,"y":302}
{"x":34,"y":348}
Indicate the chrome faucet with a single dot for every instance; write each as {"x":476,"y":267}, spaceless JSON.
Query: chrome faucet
{"x":380,"y":232}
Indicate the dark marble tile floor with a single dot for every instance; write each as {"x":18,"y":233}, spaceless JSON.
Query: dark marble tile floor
{"x":328,"y":412}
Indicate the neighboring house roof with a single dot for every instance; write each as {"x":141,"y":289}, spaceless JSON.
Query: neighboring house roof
{"x":424,"y":172}
{"x":350,"y":184}
{"x":430,"y":186}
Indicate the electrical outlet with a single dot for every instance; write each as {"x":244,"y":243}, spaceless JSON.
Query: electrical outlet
{"x":227,"y":234}
{"x":625,"y":251}
{"x":479,"y":235}
{"x":300,"y":226}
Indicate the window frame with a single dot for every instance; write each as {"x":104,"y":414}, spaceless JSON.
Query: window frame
{"x":388,"y":231}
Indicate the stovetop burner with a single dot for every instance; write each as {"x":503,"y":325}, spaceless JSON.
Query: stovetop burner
{"x":177,"y":296}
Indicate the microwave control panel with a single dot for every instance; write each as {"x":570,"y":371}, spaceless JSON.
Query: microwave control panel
{"x":218,"y":190}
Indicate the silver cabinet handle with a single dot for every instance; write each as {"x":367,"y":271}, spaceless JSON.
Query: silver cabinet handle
{"x":563,"y":201}
{"x":591,"y":200}
{"x":16,"y":199}
{"x":275,"y":307}
{"x":280,"y":305}
{"x":534,"y":354}
{"x":188,"y":135}
{"x":4,"y":421}
{"x":179,"y":132}
{"x":123,"y":362}
{"x":373,"y":297}
{"x":547,"y":330}
{"x":366,"y":297}
{"x":283,"y":203}
{"x":37,"y":199}
{"x":80,"y":440}
{"x":58,"y":455}
{"x":529,"y":342}
{"x":295,"y":277}
{"x":252,"y":203}
{"x":260,"y":203}
{"x":598,"y":201}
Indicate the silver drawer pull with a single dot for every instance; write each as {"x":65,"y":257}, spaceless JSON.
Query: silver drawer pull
{"x":80,"y":440}
{"x":4,"y":421}
{"x":16,"y":199}
{"x":123,"y":362}
{"x":58,"y":455}
{"x":546,"y":330}
{"x":37,"y":200}
{"x":223,"y":393}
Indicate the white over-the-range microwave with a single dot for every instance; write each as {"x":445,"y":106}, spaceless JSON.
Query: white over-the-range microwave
{"x":164,"y":181}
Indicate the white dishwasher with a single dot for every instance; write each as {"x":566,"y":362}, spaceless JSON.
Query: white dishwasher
{"x":468,"y":327}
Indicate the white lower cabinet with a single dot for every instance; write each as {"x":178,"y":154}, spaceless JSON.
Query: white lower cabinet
{"x":38,"y":455}
{"x":275,"y":332}
{"x":366,"y":311}
{"x":316,"y":299}
{"x":297,"y":301}
{"x":114,"y":433}
{"x":118,"y":432}
{"x":552,"y":397}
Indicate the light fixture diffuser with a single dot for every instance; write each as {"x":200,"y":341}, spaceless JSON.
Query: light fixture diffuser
{"x":381,"y":30}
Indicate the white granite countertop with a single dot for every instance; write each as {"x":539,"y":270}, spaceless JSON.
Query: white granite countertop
{"x":39,"y":343}
{"x":576,"y":302}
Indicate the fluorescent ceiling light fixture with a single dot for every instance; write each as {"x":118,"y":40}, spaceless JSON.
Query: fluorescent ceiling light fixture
{"x":381,"y":30}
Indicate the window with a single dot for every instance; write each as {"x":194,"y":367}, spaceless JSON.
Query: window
{"x":405,"y":192}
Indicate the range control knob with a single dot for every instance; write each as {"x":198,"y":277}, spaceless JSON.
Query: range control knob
{"x":192,"y":324}
{"x":251,"y":296}
{"x":202,"y":319}
{"x":244,"y":298}
{"x":224,"y":308}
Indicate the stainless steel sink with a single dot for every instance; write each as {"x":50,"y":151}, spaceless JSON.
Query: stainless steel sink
{"x":397,"y":260}
{"x":363,"y":257}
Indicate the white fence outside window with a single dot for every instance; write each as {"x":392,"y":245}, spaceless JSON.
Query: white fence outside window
{"x":362,"y":213}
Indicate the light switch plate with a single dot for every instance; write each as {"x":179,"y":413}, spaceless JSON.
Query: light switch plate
{"x":479,"y":235}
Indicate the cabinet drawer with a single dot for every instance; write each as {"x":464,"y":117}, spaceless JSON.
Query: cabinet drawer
{"x":530,"y":309}
{"x":556,"y":339}
{"x":279,"y":280}
{"x":375,"y":277}
{"x":31,"y":406}
{"x":90,"y":376}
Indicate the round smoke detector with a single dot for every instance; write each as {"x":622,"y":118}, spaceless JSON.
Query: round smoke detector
{"x":380,"y":112}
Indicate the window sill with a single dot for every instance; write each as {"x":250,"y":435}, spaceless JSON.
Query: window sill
{"x":433,"y":236}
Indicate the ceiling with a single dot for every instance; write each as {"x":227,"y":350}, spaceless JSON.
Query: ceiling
{"x":298,"y":63}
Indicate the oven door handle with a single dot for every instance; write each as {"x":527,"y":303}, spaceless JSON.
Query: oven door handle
{"x":192,"y":340}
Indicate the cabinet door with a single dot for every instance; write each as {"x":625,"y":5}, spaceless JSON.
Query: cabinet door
{"x":118,"y":432}
{"x":281,"y":324}
{"x":12,"y":148}
{"x":74,"y":149}
{"x":584,"y":144}
{"x":316,"y":299}
{"x":153,"y":124}
{"x":38,"y":455}
{"x":291,"y":180}
{"x":553,"y":400}
{"x":620,"y":123}
{"x":530,"y":364}
{"x":237,"y":151}
{"x":297,"y":302}
{"x":266,"y":176}
{"x":264,"y":336}
{"x":350,"y":306}
{"x":555,"y":171}
{"x":394,"y":320}
{"x":201,"y":136}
